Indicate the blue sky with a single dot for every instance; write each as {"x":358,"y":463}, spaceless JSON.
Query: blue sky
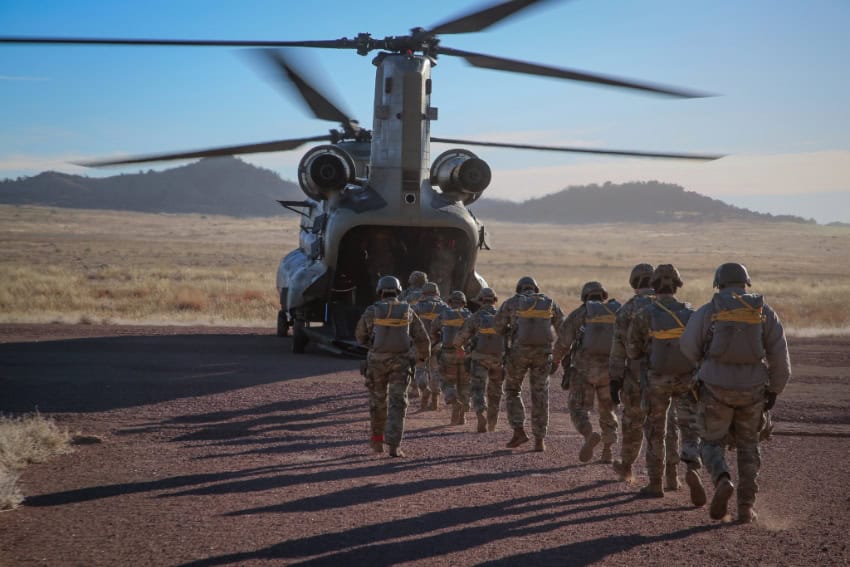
{"x":780,"y":67}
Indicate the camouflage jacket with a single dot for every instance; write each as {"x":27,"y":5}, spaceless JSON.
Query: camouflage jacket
{"x":568,"y":331}
{"x":618,"y":360}
{"x":774,"y":371}
{"x":470,"y":330}
{"x":419,"y":337}
{"x":449,"y":315}
{"x":506,"y":318}
{"x":639,"y":342}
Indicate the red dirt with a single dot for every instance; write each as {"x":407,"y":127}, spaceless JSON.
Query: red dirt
{"x":221,"y":447}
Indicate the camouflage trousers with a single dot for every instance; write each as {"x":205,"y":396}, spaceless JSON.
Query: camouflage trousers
{"x":537,"y":362}
{"x":427,"y":376}
{"x":634,"y":417}
{"x":721,"y":411}
{"x":589,"y":383}
{"x":455,"y":380}
{"x":486,"y":374}
{"x":670,"y":404}
{"x":388,"y":378}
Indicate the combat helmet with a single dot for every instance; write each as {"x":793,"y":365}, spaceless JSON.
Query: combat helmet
{"x":430,"y":289}
{"x":666,"y":276}
{"x":487,"y":294}
{"x":457,"y":297}
{"x":526,"y":283}
{"x":731,"y":273}
{"x":417,"y":278}
{"x":593,"y":288}
{"x":388,"y":285}
{"x":640,"y":273}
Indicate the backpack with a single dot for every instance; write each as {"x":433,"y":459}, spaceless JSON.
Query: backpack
{"x":534,"y":320}
{"x":737,"y":328}
{"x":665,"y":356}
{"x":598,"y":329}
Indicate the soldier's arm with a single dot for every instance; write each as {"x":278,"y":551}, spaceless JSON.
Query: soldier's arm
{"x":567,"y":334}
{"x":557,"y":316}
{"x":638,"y":335}
{"x":776,"y":347}
{"x":419,"y":336}
{"x":693,"y":337}
{"x":467,"y":331}
{"x":502,"y":320}
{"x":617,"y":358}
{"x":363,"y":331}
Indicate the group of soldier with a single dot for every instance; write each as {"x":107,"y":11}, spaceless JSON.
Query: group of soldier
{"x":709,"y":376}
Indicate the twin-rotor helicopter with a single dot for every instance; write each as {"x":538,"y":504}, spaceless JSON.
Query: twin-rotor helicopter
{"x":376,"y":202}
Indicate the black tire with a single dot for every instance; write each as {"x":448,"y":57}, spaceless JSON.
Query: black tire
{"x":299,"y":336}
{"x":282,"y":324}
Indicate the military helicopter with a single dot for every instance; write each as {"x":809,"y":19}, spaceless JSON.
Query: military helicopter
{"x":376,"y":202}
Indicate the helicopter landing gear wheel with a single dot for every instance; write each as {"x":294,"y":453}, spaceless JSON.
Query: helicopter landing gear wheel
{"x":282,"y":323}
{"x":299,"y":336}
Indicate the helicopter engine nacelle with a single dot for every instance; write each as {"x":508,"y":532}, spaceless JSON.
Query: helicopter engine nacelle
{"x":461,"y":175}
{"x":325,"y":169}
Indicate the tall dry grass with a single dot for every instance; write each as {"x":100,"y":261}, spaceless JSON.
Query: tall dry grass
{"x":94,"y":266}
{"x":23,"y":440}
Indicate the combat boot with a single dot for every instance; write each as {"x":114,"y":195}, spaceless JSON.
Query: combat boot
{"x":746,"y":514}
{"x":720,"y":502}
{"x":377,"y":444}
{"x":653,"y":489}
{"x":671,"y":475}
{"x":624,"y":471}
{"x":518,"y":439}
{"x":395,"y":451}
{"x":606,"y":454}
{"x":590,"y":442}
{"x":482,"y":422}
{"x":698,"y":497}
{"x":539,"y":444}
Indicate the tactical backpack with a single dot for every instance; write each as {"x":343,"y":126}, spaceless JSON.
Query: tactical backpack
{"x":451,"y":322}
{"x":665,"y":356}
{"x":737,"y":328}
{"x":534,"y":320}
{"x":391,"y":327}
{"x":428,"y":310}
{"x":487,"y":341}
{"x":598,"y":333}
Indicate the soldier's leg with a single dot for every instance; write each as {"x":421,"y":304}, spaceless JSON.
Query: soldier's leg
{"x":517,"y":367}
{"x":539,"y":384}
{"x":607,"y":420}
{"x":686,"y":408}
{"x":672,"y":446}
{"x":633,"y":418}
{"x":477,"y":384}
{"x":714,"y":418}
{"x":377,"y":386}
{"x":656,"y":400}
{"x":462,"y":402}
{"x":495,"y":383}
{"x":580,"y":403}
{"x":449,"y":374}
{"x":746,"y":422}
{"x":398,"y":382}
{"x":435,"y":380}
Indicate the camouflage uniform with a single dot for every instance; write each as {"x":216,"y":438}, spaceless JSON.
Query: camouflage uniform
{"x":389,"y":372}
{"x":732,"y":394}
{"x":588,"y":378}
{"x":427,"y":376}
{"x":413,"y":293}
{"x":634,"y":416}
{"x":486,"y":368}
{"x":452,"y":360}
{"x":665,"y":386}
{"x":520,"y":310}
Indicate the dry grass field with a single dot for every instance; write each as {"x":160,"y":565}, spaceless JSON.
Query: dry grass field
{"x":101,"y":266}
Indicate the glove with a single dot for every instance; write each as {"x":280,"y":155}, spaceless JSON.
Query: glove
{"x":769,"y":400}
{"x":615,"y":386}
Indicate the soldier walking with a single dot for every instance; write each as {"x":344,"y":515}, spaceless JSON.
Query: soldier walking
{"x":391,"y":330}
{"x":529,"y":318}
{"x":486,"y":351}
{"x":654,"y":335}
{"x":427,"y":375}
{"x":452,"y":360}
{"x":586,"y":335}
{"x":744,"y":365}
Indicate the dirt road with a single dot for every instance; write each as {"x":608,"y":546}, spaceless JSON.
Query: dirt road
{"x":220,"y":447}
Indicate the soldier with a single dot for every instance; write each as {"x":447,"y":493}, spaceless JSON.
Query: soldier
{"x":415,"y":282}
{"x":529,"y":318}
{"x":654,"y":335}
{"x":452,"y":360}
{"x":486,"y":351}
{"x":427,"y":372}
{"x":625,"y":378}
{"x":586,"y":334}
{"x":387,"y":327}
{"x":741,"y":345}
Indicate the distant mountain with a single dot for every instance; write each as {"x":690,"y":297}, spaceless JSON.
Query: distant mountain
{"x":223,"y":186}
{"x":645,"y":202}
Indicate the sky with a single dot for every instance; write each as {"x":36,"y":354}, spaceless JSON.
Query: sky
{"x":779,"y":67}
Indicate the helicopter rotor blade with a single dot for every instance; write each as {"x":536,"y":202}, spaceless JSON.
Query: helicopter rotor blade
{"x":515,"y":66}
{"x":275,"y":146}
{"x":483,"y":18}
{"x":343,"y":43}
{"x":668,"y":155}
{"x":319,"y":104}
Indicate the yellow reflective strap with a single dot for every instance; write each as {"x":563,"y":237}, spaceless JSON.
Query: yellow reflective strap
{"x":453,"y":322}
{"x":667,"y":334}
{"x":490,"y":331}
{"x":603,"y":319}
{"x":392,"y":322}
{"x":430,"y":316}
{"x":747,"y":315}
